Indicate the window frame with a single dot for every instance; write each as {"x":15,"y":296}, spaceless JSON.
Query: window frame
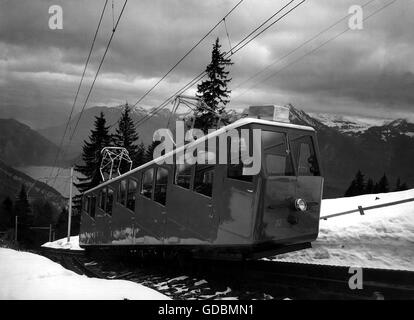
{"x":299,"y":136}
{"x":92,"y":199}
{"x":289,"y":154}
{"x":141,"y":185}
{"x":192,"y":166}
{"x":212,"y":168}
{"x":119,"y":193}
{"x":135,"y":193}
{"x":155,"y":185}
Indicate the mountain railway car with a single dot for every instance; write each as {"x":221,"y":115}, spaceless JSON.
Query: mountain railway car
{"x":213,"y":210}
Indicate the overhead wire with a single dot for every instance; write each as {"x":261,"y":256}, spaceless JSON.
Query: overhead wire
{"x":313,"y":50}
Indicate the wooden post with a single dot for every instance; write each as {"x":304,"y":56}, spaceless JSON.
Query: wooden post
{"x":50,"y":233}
{"x":70,"y":203}
{"x":15,"y":228}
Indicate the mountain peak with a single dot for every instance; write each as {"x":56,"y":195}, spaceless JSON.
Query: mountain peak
{"x":300,"y":117}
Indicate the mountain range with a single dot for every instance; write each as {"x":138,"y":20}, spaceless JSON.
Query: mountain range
{"x":347,"y":144}
{"x":11,"y":181}
{"x":21,"y":146}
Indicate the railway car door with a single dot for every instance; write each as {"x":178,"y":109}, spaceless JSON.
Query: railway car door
{"x":151,"y":206}
{"x":103,"y":217}
{"x":87,"y":234}
{"x":279,"y":186}
{"x":309,"y":180}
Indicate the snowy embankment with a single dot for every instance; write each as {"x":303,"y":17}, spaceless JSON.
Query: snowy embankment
{"x":25,"y":275}
{"x":64,"y":244}
{"x":382,"y":238}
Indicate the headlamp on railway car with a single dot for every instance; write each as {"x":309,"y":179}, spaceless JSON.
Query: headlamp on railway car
{"x":301,"y":205}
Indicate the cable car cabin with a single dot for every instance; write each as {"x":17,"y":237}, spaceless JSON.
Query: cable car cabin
{"x":213,"y":210}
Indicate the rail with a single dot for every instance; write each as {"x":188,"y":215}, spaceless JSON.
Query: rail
{"x":200,"y":279}
{"x":362,"y":210}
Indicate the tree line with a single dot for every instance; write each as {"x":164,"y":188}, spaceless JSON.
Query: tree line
{"x":360,"y":185}
{"x":30,"y":215}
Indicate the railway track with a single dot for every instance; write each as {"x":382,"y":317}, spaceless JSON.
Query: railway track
{"x":257,"y":279}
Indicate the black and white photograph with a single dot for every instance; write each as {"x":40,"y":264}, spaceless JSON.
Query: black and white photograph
{"x":206,"y":155}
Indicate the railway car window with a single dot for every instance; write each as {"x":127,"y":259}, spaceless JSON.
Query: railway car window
{"x":235,"y":171}
{"x":92,"y":201}
{"x":122,"y":192}
{"x":147,"y":182}
{"x":276,"y":153}
{"x":85,"y":203}
{"x":132,"y":189}
{"x":109,"y":201}
{"x":203,"y":180}
{"x":183,"y":175}
{"x":304,"y":153}
{"x":160,"y":194}
{"x":102,"y":199}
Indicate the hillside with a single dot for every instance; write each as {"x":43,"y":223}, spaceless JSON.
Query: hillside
{"x":20,"y":145}
{"x":35,"y":117}
{"x":11,"y":181}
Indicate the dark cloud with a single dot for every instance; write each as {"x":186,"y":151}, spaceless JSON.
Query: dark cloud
{"x":368,"y":72}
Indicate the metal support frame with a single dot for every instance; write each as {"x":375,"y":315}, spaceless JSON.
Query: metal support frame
{"x":112,"y":158}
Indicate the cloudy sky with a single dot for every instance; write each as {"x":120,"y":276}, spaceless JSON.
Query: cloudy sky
{"x":366,"y":72}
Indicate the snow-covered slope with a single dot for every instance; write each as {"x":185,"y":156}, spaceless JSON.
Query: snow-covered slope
{"x":27,"y":276}
{"x":382,"y":238}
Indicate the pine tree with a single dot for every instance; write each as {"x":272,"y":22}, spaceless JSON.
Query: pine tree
{"x":149,"y":153}
{"x":369,"y":188}
{"x":214,"y":90}
{"x":92,"y":156}
{"x":350,"y":192}
{"x":22,"y":210}
{"x":359,"y":183}
{"x":382,"y":186}
{"x":126,"y":137}
{"x":6,"y":214}
{"x":140,"y":155}
{"x":357,"y":186}
{"x":401,"y":186}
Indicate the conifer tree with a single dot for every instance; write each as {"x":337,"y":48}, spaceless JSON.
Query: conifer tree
{"x":357,"y":186}
{"x":127,"y":137}
{"x":214,"y":90}
{"x":401,"y":186}
{"x":382,"y":186}
{"x":22,"y":210}
{"x":92,"y":156}
{"x":149,"y":153}
{"x":6,"y":214}
{"x":140,"y":155}
{"x":369,"y":189}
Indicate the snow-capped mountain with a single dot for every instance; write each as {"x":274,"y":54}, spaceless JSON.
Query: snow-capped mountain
{"x":347,"y":124}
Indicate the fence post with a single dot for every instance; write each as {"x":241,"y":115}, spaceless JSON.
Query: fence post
{"x":50,"y":233}
{"x":15,"y":228}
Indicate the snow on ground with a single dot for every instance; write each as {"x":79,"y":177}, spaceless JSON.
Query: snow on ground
{"x":64,"y":244}
{"x":382,"y":238}
{"x":25,"y":275}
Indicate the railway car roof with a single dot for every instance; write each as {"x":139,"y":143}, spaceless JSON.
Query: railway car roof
{"x":234,"y":125}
